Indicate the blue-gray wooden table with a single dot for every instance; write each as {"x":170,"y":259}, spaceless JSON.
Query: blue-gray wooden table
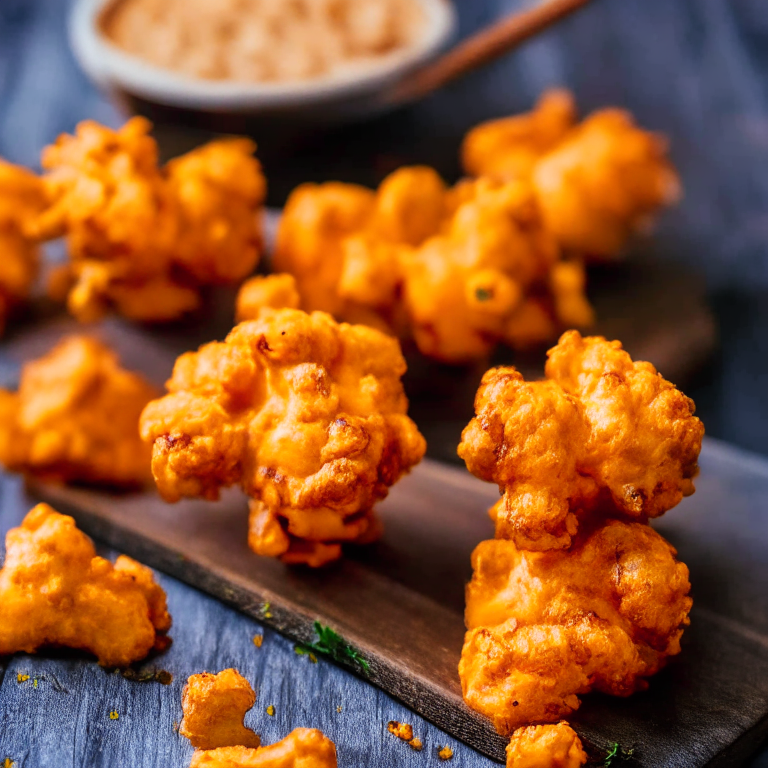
{"x":695,"y":69}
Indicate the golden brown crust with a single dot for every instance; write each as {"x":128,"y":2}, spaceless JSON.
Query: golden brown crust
{"x":458,"y":270}
{"x":302,"y":748}
{"x":141,"y":238}
{"x":545,"y":746}
{"x":55,"y":591}
{"x":605,"y":181}
{"x":601,"y":434}
{"x":214,"y":707}
{"x":266,"y":292}
{"x":75,"y":418}
{"x":509,"y":147}
{"x":595,"y":183}
{"x":21,"y":200}
{"x":307,"y":415}
{"x":545,"y":627}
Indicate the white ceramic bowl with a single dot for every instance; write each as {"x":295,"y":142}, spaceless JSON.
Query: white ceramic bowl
{"x":329,"y":98}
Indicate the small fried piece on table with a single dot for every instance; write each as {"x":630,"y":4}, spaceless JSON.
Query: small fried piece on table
{"x":302,"y":748}
{"x":307,"y":415}
{"x":55,"y":591}
{"x":509,"y":147}
{"x":545,"y":627}
{"x":21,"y":201}
{"x":602,"y":434}
{"x":75,"y":418}
{"x":214,"y":707}
{"x":545,"y":746}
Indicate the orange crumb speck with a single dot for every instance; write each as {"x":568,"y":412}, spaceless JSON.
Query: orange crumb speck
{"x":401,"y":730}
{"x":446,"y":753}
{"x":258,"y":640}
{"x":416,"y":744}
{"x":271,"y":710}
{"x":113,"y":715}
{"x":22,"y":678}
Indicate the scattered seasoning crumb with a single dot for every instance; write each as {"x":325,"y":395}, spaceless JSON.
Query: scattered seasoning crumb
{"x":164,"y":677}
{"x":176,"y":726}
{"x":401,"y":730}
{"x":515,"y":703}
{"x":34,"y":683}
{"x":416,"y":744}
{"x":258,"y":640}
{"x":338,"y":709}
{"x":8,"y":763}
{"x":113,"y":715}
{"x":22,"y":678}
{"x":271,"y":710}
{"x":302,"y":650}
{"x":446,"y":753}
{"x":266,"y":611}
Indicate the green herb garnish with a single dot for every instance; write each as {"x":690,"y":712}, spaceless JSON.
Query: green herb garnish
{"x":616,"y":753}
{"x":330,"y":643}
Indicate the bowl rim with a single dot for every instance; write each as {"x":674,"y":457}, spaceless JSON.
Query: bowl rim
{"x":109,"y":66}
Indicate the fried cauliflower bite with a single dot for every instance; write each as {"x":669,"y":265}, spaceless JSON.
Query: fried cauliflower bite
{"x":545,"y":746}
{"x":510,"y":147}
{"x":55,"y":591}
{"x":266,"y":292}
{"x":545,"y":627}
{"x":307,"y":415}
{"x":143,"y":239}
{"x":302,"y":748}
{"x":475,"y":284}
{"x":603,"y":182}
{"x":602,"y":434}
{"x":75,"y":418}
{"x":344,"y":244}
{"x":214,"y":708}
{"x":219,"y":190}
{"x":21,"y":200}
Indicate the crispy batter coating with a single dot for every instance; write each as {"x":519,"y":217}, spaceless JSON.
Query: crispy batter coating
{"x":219,"y":190}
{"x":605,"y":181}
{"x":270,"y":292}
{"x":459,"y":270}
{"x":55,"y":591}
{"x":21,"y":200}
{"x":596,"y":183}
{"x":545,"y":746}
{"x":475,"y":285}
{"x":545,"y":627}
{"x":214,"y":707}
{"x":510,"y":147}
{"x":75,"y":418}
{"x":306,"y":414}
{"x":302,"y":748}
{"x":142,"y":239}
{"x":601,"y":434}
{"x":343,"y":243}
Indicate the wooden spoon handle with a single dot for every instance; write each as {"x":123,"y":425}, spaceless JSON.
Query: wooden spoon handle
{"x":484,"y":46}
